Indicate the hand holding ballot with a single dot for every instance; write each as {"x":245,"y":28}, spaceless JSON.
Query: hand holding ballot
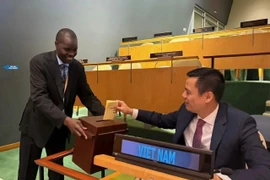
{"x":123,"y":107}
{"x":109,"y":110}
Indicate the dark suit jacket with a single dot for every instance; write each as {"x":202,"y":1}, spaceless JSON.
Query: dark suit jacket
{"x":235,"y":139}
{"x":44,"y":109}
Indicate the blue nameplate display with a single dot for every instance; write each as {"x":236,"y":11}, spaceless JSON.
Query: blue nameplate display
{"x":164,"y":155}
{"x":170,"y":158}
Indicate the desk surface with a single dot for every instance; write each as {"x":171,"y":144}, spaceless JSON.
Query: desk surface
{"x":122,"y":167}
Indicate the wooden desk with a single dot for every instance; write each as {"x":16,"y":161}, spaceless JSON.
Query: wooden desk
{"x":122,"y":167}
{"x":104,"y":161}
{"x":47,"y":162}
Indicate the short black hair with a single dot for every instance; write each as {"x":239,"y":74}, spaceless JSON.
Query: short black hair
{"x":209,"y":79}
{"x":63,"y":32}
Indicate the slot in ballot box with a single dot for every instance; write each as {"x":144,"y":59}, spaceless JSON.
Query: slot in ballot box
{"x":100,"y":141}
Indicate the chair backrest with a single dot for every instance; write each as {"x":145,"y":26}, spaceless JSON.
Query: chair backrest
{"x":263,"y":125}
{"x":263,"y":143}
{"x":128,"y":66}
{"x":189,"y":62}
{"x":179,"y":40}
{"x":267,"y":103}
{"x":267,"y":108}
{"x":146,"y":44}
{"x":102,"y":68}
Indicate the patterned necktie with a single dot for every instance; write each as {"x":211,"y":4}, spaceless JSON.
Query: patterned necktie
{"x":64,"y":70}
{"x":197,"y":139}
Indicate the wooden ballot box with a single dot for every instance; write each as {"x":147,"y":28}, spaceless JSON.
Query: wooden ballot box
{"x":100,"y":141}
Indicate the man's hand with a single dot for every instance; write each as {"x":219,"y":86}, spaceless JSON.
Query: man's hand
{"x":216,"y":177}
{"x":75,"y":126}
{"x":122,"y":107}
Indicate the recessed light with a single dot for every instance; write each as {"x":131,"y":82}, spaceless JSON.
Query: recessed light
{"x":215,"y":12}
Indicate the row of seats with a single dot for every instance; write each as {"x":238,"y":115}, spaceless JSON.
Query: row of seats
{"x":177,"y":63}
{"x":211,"y":35}
{"x":121,"y":67}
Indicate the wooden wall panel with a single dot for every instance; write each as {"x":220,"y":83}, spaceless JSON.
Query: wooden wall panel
{"x":249,"y":62}
{"x":228,"y":45}
{"x":156,"y":89}
{"x":261,"y":42}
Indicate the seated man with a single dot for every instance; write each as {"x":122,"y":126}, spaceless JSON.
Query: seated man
{"x":205,"y":122}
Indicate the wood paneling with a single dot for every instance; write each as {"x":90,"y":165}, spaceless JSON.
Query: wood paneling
{"x":141,"y":88}
{"x":250,"y":62}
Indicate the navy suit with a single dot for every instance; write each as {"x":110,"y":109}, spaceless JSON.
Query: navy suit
{"x":235,"y":139}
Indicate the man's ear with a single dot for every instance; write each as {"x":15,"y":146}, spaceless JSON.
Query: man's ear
{"x":209,"y":96}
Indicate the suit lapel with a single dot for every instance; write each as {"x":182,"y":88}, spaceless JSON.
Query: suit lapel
{"x":56,"y":74}
{"x":184,"y":121}
{"x":188,"y":118}
{"x":219,"y":127}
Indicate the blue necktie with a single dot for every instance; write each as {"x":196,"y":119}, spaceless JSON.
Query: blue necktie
{"x":64,"y":71}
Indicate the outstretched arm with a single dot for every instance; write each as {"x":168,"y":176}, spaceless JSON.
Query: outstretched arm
{"x":87,"y":96}
{"x":167,"y":121}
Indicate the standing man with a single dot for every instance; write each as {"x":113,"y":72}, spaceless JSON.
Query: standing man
{"x":205,"y":122}
{"x":55,"y":80}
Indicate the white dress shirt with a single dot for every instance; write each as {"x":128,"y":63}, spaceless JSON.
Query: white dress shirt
{"x":207,"y":130}
{"x":190,"y":131}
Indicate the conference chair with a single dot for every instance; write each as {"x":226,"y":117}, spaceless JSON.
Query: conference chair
{"x":147,"y":44}
{"x":179,"y":40}
{"x":128,"y":66}
{"x":263,"y":142}
{"x":263,"y":125}
{"x":267,"y":108}
{"x":188,"y":62}
{"x":102,"y":68}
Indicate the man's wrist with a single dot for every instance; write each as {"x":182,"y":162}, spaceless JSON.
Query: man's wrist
{"x":67,"y":119}
{"x":130,"y":112}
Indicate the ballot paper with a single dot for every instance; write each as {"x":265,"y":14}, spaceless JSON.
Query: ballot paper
{"x":109,"y":110}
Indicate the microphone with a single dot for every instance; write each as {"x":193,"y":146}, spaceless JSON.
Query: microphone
{"x":225,"y":171}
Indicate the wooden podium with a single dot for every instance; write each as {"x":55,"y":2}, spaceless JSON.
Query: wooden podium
{"x":100,"y":141}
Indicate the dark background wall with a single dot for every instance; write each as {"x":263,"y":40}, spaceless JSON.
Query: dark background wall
{"x":28,"y":27}
{"x":222,"y":7}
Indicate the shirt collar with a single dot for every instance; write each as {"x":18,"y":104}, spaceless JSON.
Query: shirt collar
{"x":210,"y":119}
{"x":60,"y":62}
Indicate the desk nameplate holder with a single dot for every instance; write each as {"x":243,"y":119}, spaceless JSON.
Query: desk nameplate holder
{"x":196,"y":164}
